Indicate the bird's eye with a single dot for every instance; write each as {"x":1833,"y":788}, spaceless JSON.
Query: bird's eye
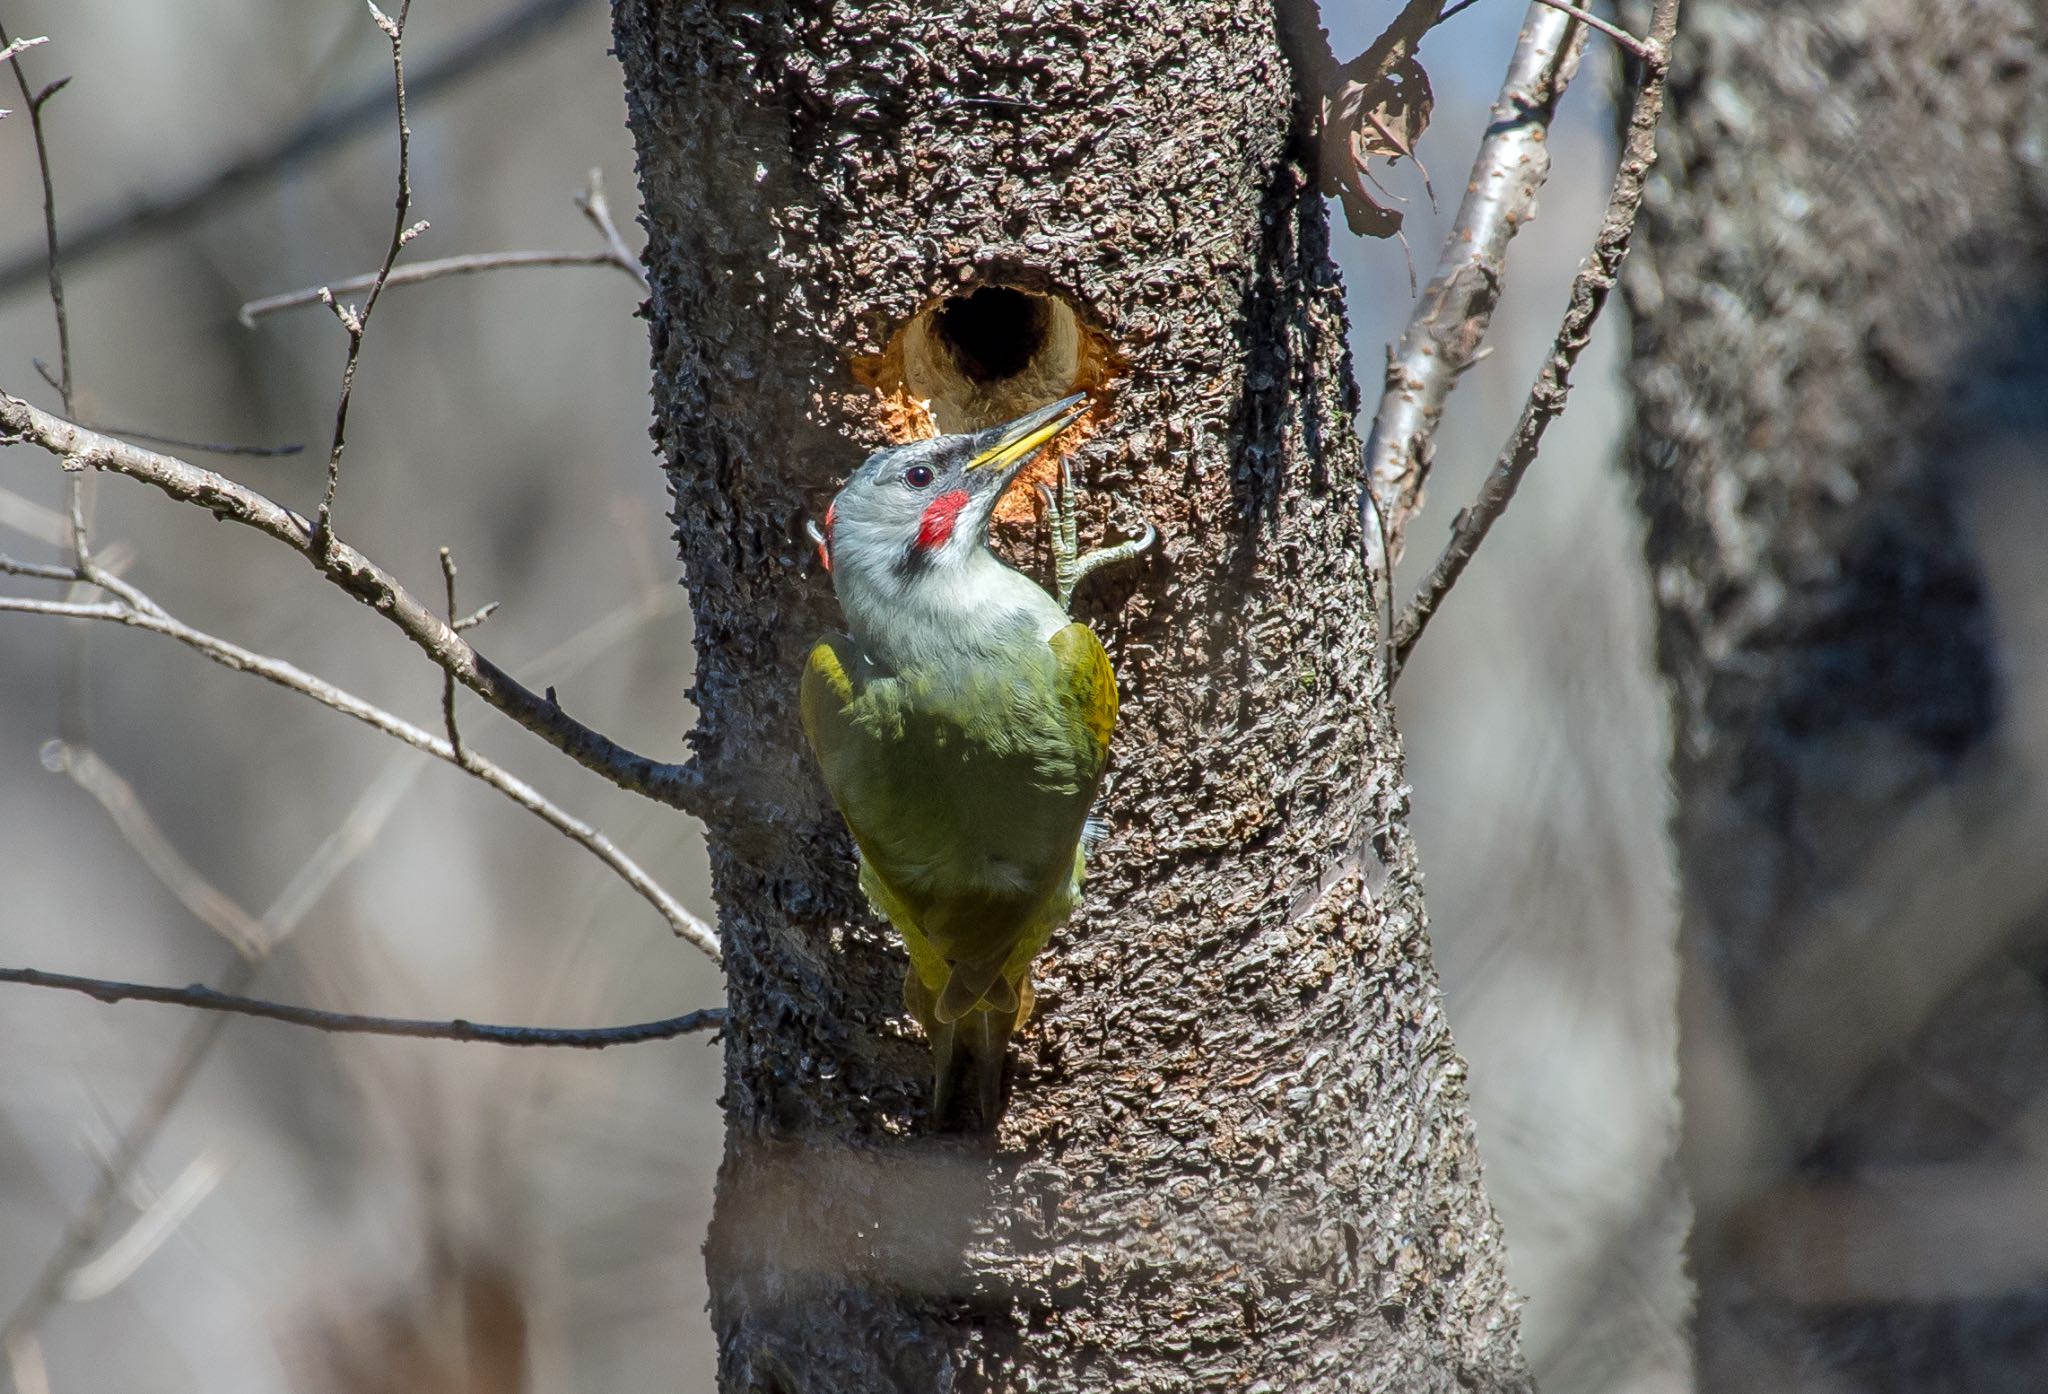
{"x":918,"y":476}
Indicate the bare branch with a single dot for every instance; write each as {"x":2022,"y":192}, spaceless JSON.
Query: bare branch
{"x":31,"y":519}
{"x":475,"y":617}
{"x":286,"y":675}
{"x":206,"y":446}
{"x":52,"y":270}
{"x":679,"y":786}
{"x":467,"y":265}
{"x":598,"y":209}
{"x":1451,"y":319}
{"x":448,"y":678}
{"x":1644,"y":52}
{"x":356,"y":323}
{"x":1590,"y":288}
{"x":205,"y":998}
{"x":74,"y":484}
{"x":592,"y":203}
{"x":140,"y":831}
{"x":10,"y":51}
{"x":334,"y":854}
{"x":39,"y":570}
{"x":504,"y":35}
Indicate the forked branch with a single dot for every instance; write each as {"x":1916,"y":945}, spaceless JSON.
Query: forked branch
{"x":132,"y":216}
{"x":1450,"y":321}
{"x":130,"y":607}
{"x":591,"y":202}
{"x":676,"y":785}
{"x":1595,"y":281}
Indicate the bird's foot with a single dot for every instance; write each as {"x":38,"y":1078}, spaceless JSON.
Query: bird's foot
{"x":1070,"y":566}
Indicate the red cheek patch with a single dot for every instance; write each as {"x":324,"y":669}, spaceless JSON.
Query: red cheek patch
{"x":825,"y":543}
{"x":936,"y":527}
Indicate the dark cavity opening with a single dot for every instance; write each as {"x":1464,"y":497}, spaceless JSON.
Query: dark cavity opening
{"x":993,"y":332}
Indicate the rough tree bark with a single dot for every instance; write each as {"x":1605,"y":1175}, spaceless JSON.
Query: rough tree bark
{"x":1839,"y":320}
{"x":1237,"y":1152}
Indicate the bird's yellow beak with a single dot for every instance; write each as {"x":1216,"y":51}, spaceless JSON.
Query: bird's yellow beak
{"x":1008,"y":447}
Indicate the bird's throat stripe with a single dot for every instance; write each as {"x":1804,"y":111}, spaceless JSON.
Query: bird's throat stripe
{"x":935,"y":529}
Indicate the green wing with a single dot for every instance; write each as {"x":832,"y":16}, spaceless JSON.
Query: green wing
{"x":826,"y":693}
{"x":1087,"y":690}
{"x":847,"y":753}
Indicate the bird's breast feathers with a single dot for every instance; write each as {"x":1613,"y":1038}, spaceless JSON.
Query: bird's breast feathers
{"x":979,"y":776}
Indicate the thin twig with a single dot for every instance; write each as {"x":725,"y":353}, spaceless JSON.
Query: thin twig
{"x":289,"y":676}
{"x":1590,"y":288}
{"x":132,"y":1248}
{"x":357,"y":322}
{"x":416,"y":272}
{"x":1644,"y":52}
{"x":336,"y":852}
{"x":90,"y":1220}
{"x":204,"y":998}
{"x":9,"y":51}
{"x":74,"y":483}
{"x":52,"y":269}
{"x":448,"y":678}
{"x":679,"y":786}
{"x":32,"y":519}
{"x":178,"y":204}
{"x":40,"y":571}
{"x":1450,"y":320}
{"x":131,"y":819}
{"x":206,"y":446}
{"x":595,"y":207}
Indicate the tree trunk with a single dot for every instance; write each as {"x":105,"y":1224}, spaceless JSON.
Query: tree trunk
{"x":1236,"y":1154}
{"x":1838,"y":295}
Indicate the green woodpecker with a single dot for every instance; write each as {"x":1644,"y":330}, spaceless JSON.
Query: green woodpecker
{"x":962,"y":729}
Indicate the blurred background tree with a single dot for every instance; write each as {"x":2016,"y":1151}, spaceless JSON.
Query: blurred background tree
{"x":1840,"y":376}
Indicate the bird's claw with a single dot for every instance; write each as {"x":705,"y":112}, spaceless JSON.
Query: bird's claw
{"x":1070,"y":566}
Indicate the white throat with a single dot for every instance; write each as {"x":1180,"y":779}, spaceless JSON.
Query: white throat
{"x":962,"y":606}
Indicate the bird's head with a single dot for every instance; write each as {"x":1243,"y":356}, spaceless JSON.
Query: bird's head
{"x":924,"y":507}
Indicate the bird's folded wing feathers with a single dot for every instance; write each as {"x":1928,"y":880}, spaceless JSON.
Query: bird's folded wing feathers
{"x":827,"y":689}
{"x":1087,"y":686}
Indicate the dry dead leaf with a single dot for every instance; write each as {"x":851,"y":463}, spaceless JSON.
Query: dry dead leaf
{"x":1377,"y":107}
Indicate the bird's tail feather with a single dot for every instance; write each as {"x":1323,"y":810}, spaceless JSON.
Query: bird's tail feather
{"x":988,"y":1041}
{"x":945,"y":1066}
{"x":976,"y":985}
{"x":982,"y":1032}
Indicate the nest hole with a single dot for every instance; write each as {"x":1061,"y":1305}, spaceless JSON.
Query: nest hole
{"x":992,"y":333}
{"x":984,"y":355}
